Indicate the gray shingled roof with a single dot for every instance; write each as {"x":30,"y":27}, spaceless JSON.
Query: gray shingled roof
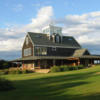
{"x":42,"y":39}
{"x":80,"y":52}
{"x":55,"y":57}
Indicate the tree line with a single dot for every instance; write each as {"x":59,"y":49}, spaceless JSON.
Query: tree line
{"x":6,"y":64}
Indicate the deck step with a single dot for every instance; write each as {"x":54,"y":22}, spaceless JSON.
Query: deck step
{"x":42,"y":70}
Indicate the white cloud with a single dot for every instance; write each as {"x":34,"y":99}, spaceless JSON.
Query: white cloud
{"x":85,"y":28}
{"x":11,"y":44}
{"x":12,"y":38}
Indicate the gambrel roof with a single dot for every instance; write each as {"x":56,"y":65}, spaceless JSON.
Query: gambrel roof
{"x":42,"y":39}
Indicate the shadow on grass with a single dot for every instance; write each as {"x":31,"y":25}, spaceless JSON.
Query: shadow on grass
{"x":51,"y":88}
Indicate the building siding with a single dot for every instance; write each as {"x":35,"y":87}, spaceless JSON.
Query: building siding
{"x":30,"y":45}
{"x":57,"y":52}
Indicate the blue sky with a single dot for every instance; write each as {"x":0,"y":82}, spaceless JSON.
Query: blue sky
{"x":79,"y":18}
{"x":21,"y":11}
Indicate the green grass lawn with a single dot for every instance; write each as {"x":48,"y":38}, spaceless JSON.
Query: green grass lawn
{"x":73,"y":85}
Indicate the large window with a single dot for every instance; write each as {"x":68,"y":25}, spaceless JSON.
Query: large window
{"x":41,"y":51}
{"x":27,"y":52}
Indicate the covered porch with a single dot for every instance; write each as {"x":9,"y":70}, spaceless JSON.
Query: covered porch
{"x":45,"y":62}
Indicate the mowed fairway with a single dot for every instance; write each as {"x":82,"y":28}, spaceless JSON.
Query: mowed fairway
{"x":73,"y":85}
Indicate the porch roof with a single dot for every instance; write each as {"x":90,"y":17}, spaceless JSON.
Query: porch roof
{"x":39,"y":57}
{"x":95,"y":57}
{"x":90,"y":57}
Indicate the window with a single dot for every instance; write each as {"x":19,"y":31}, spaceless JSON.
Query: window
{"x":57,"y":39}
{"x":58,"y":31}
{"x":41,"y":51}
{"x":27,"y":52}
{"x":53,"y":48}
{"x":27,"y":41}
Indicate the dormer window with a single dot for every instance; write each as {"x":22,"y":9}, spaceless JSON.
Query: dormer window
{"x":57,"y":39}
{"x":52,"y":29}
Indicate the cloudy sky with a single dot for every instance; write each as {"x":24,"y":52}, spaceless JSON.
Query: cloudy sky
{"x":79,"y":18}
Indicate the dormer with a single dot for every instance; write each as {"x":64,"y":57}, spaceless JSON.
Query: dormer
{"x":52,"y":29}
{"x":54,"y":33}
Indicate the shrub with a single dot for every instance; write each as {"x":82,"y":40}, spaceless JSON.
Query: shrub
{"x":12,"y":71}
{"x":64,"y":68}
{"x":5,"y":85}
{"x":18,"y":71}
{"x":80,"y":67}
{"x":25,"y":71}
{"x":55,"y":69}
{"x":4,"y":72}
{"x":15,"y":71}
{"x":5,"y":64}
{"x":30,"y":71}
{"x":73,"y":67}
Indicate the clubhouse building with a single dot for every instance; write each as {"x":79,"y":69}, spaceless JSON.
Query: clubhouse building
{"x":44,"y":50}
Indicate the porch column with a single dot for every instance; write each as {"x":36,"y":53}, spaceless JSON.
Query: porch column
{"x":78,"y":61}
{"x":61,"y":62}
{"x":98,"y":61}
{"x":91,"y":62}
{"x":54,"y":62}
{"x":12,"y":64}
{"x":23,"y":64}
{"x":18,"y":64}
{"x":45,"y":64}
{"x":39,"y":63}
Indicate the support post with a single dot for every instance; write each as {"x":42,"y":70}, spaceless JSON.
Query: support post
{"x":45,"y":64}
{"x":78,"y":61}
{"x":18,"y":64}
{"x":23,"y":65}
{"x":61,"y":62}
{"x":54,"y":62}
{"x":12,"y":64}
{"x":39,"y":63}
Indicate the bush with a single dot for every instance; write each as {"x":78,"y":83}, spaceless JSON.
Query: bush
{"x":73,"y":68}
{"x":15,"y":71}
{"x":55,"y":69}
{"x":64,"y":68}
{"x":4,"y":72}
{"x":80,"y":67}
{"x":12,"y":71}
{"x":5,"y":85}
{"x":30,"y":71}
{"x":5,"y":64}
{"x":24,"y":71}
{"x":18,"y":71}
